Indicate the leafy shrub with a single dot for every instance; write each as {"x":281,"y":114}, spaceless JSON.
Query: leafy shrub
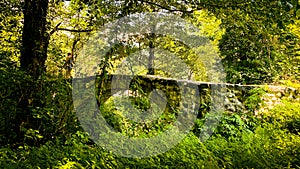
{"x":267,"y":147}
{"x":75,"y":153}
{"x":56,"y":117}
{"x":232,"y":126}
{"x":285,"y":116}
{"x":153,"y":124}
{"x":11,"y":83}
{"x":254,"y":99}
{"x":51,"y":113}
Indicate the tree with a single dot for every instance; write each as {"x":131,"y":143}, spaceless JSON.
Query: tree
{"x":10,"y":33}
{"x":255,"y":46}
{"x":35,"y":38}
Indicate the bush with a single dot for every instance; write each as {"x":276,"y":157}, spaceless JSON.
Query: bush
{"x":285,"y":116}
{"x":266,"y":147}
{"x":51,"y":112}
{"x":153,"y":124}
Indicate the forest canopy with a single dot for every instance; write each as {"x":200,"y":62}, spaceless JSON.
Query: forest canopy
{"x":257,"y":41}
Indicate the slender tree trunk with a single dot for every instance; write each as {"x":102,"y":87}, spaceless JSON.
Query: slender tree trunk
{"x":151,"y":52}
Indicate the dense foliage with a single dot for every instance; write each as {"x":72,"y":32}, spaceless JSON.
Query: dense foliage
{"x":256,"y":41}
{"x":271,"y":143}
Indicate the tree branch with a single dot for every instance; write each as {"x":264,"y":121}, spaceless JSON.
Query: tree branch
{"x":199,"y":5}
{"x":166,"y":8}
{"x":55,"y":29}
{"x":74,"y":30}
{"x":73,"y":49}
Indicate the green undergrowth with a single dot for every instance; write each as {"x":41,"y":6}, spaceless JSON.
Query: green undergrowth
{"x":273,"y":143}
{"x":55,"y":139}
{"x":266,"y":147}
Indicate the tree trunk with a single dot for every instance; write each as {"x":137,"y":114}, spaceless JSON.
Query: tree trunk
{"x":35,"y":39}
{"x":151,"y":70}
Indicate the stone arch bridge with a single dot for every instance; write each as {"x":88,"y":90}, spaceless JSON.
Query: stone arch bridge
{"x":232,"y":96}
